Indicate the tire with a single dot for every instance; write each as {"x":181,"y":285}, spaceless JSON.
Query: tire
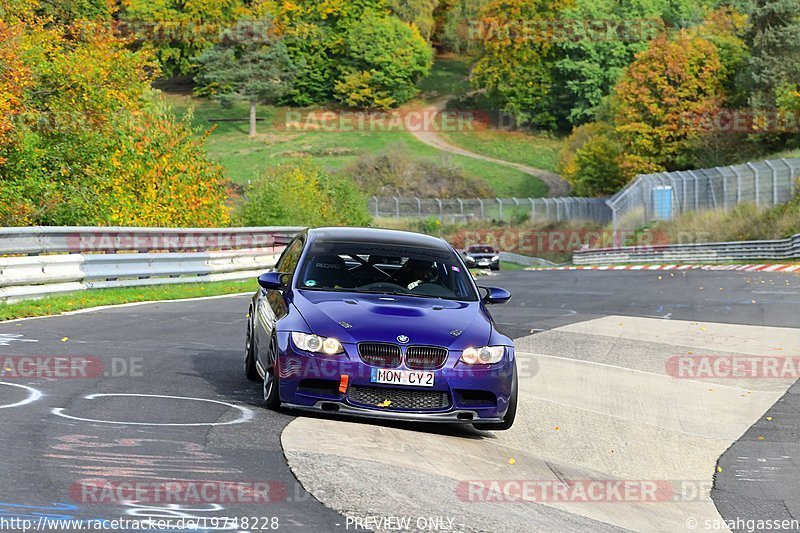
{"x":272,"y":380}
{"x":495,"y":268}
{"x":250,"y":352}
{"x":508,"y":419}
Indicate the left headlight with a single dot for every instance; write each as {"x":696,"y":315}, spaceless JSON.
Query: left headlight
{"x":316,"y":344}
{"x":496,"y":258}
{"x":487,"y":355}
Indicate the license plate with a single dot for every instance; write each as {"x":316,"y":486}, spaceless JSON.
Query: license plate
{"x":402,"y":377}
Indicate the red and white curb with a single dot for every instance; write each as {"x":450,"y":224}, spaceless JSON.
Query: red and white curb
{"x":734,"y":268}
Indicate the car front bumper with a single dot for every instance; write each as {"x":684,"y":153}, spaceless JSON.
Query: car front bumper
{"x":483,"y":264}
{"x":460,"y":394}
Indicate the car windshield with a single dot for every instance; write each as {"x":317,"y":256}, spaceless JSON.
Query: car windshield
{"x":480,"y":250}
{"x":377,"y":268}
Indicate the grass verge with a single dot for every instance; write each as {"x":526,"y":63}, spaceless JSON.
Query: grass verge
{"x":245,"y":158}
{"x":534,"y":150}
{"x":62,"y":303}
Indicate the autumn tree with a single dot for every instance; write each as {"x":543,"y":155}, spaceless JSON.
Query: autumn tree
{"x":672,"y":82}
{"x":383,"y":60}
{"x":417,"y":12}
{"x":774,"y":68}
{"x":515,"y":62}
{"x":359,"y":53}
{"x":598,"y":41}
{"x":457,"y":25}
{"x":88,"y":143}
{"x":257,"y":71}
{"x":178,"y":31}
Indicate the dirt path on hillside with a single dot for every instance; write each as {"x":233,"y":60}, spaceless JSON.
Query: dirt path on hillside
{"x":555,"y":183}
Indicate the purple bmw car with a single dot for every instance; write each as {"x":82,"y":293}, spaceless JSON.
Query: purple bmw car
{"x":380,"y":323}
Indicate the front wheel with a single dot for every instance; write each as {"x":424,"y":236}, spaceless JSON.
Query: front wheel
{"x":272,"y":380}
{"x":511,"y":414}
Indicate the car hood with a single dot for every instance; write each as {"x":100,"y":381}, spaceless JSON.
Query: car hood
{"x":481,"y":256}
{"x":378,"y":318}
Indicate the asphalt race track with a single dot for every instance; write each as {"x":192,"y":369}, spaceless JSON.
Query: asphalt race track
{"x":165,"y":400}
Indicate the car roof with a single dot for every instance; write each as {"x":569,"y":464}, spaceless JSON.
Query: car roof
{"x":377,"y":236}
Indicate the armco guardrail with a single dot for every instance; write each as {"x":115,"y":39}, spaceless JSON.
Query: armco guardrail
{"x":718,"y":252}
{"x":525,"y":260}
{"x":40,"y":261}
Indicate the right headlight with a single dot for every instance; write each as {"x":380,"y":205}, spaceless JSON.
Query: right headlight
{"x":486,"y":355}
{"x":470,"y":259}
{"x":316,"y":344}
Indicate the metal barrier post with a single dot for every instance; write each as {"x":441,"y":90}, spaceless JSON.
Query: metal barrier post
{"x":792,"y":184}
{"x":724,"y":189}
{"x":738,"y":184}
{"x":757,"y":181}
{"x":774,"y":183}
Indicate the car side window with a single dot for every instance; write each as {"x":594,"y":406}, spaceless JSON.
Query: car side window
{"x":290,"y":258}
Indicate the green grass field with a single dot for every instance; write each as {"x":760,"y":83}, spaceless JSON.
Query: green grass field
{"x":245,"y":158}
{"x":534,"y":150}
{"x":62,"y":303}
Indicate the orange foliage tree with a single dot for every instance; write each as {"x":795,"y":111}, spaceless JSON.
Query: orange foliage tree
{"x":84,"y":140}
{"x":670,"y":83}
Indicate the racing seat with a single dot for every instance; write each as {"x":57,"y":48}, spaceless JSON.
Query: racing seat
{"x":329,"y":272}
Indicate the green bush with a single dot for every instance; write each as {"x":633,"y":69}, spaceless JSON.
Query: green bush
{"x":302,"y":194}
{"x":591,"y":160}
{"x":397,"y":172}
{"x":384,"y":59}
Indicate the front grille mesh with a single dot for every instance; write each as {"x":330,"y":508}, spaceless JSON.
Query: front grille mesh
{"x":399,"y":398}
{"x":379,"y":354}
{"x":425,"y":357}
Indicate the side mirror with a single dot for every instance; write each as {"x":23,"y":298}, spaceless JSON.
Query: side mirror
{"x":495,"y":295}
{"x":273,"y":281}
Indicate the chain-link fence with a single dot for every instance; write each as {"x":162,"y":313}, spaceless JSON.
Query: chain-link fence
{"x":501,"y":209}
{"x":649,"y":197}
{"x":666,"y":195}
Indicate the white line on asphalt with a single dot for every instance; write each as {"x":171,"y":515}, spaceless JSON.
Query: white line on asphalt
{"x":246,"y":414}
{"x":33,"y":395}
